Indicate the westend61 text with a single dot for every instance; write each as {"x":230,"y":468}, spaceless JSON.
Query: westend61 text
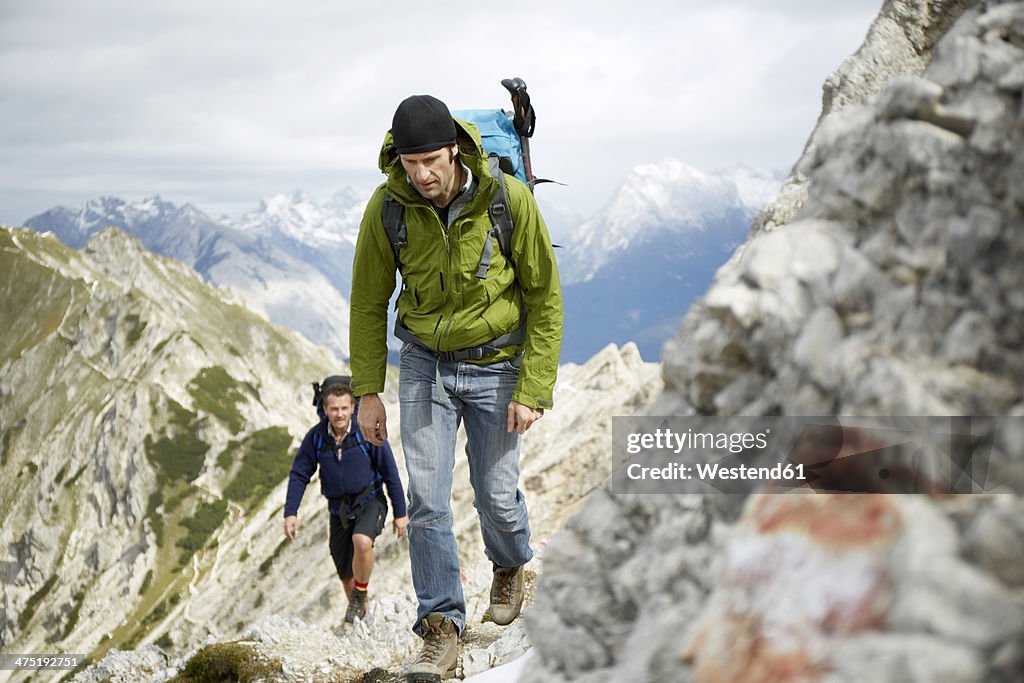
{"x":715,"y":472}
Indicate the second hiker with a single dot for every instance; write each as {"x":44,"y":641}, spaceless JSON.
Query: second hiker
{"x":352,"y":472}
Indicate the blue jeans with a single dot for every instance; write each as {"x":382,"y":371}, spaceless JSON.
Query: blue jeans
{"x":479,"y":396}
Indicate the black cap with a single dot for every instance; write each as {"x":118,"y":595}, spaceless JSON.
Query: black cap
{"x":422,"y":124}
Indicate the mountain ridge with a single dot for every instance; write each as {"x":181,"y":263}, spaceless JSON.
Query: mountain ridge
{"x":124,"y":359}
{"x":671,"y":196}
{"x":290,"y":257}
{"x":269,"y":280}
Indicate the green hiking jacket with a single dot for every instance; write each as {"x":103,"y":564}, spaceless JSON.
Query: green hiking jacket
{"x":442,"y":301}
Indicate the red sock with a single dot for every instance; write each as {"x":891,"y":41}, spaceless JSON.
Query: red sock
{"x":361,"y":586}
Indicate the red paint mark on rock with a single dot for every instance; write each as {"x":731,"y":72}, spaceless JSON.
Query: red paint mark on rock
{"x":801,"y":571}
{"x":841,"y":520}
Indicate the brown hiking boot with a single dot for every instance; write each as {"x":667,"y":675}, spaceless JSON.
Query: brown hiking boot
{"x":506,"y":594}
{"x":356,"y":606}
{"x":440,"y":652}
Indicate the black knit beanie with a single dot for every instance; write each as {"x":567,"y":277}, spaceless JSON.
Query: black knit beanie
{"x":422,"y":124}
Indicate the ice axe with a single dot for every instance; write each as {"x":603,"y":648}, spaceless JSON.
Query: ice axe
{"x":524,"y":119}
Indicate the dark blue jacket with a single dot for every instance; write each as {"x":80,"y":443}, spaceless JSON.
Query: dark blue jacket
{"x":361,"y":465}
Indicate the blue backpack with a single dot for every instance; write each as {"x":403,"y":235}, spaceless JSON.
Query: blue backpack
{"x":499,"y":137}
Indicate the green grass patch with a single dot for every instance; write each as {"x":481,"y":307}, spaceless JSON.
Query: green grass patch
{"x":73,"y":614}
{"x":175,"y":501}
{"x":228,"y":662}
{"x":33,"y":603}
{"x":267,"y":563}
{"x":218,"y":394}
{"x":136,"y":326}
{"x":207,"y":518}
{"x":156,"y":521}
{"x":179,"y":455}
{"x":228,"y":456}
{"x":264,"y":463}
{"x":155,"y":615}
{"x":180,"y":415}
{"x":71,"y":482}
{"x":83,"y":664}
{"x":147,"y":581}
{"x":133,"y":642}
{"x":5,"y":444}
{"x":248,"y":386}
{"x":22,"y":280}
{"x":160,"y":347}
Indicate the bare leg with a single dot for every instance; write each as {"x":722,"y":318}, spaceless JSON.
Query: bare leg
{"x":362,"y":559}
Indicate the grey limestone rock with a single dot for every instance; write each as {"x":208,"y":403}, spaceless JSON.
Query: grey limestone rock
{"x":900,"y":42}
{"x":886,"y":281}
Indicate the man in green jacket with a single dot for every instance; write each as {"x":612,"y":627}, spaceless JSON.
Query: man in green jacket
{"x":480,"y":347}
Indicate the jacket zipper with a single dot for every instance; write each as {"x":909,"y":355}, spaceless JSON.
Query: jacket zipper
{"x":455,"y":283}
{"x":448,"y":253}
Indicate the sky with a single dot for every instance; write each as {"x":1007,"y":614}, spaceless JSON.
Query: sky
{"x":223,"y":104}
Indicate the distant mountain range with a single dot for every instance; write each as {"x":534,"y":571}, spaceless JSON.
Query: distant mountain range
{"x":629,"y":271}
{"x":263,"y":266}
{"x":322,"y":235}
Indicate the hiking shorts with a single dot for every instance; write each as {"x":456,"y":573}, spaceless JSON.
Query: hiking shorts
{"x":369,"y":521}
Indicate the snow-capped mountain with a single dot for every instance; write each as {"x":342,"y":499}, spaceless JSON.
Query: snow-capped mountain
{"x":184,"y":230}
{"x":670,"y":195}
{"x":322,"y":235}
{"x":300,"y":219}
{"x":267,"y":279}
{"x":651,"y":250}
{"x":641,"y":259}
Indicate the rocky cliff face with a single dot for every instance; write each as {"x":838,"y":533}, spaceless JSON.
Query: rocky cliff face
{"x":892,"y":288}
{"x":139,"y":414}
{"x":899,"y":43}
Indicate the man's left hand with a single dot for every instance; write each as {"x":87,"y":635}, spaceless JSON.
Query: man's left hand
{"x":520,"y":417}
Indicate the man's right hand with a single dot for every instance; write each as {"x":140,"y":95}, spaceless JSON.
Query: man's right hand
{"x":373,"y":419}
{"x":291,"y":526}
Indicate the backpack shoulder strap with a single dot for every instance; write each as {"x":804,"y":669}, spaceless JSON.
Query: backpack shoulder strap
{"x":375,"y":485}
{"x":501,"y":220}
{"x":362,"y":443}
{"x":393,"y":217}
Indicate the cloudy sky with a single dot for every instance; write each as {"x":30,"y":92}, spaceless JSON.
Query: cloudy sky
{"x":223,"y":103}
